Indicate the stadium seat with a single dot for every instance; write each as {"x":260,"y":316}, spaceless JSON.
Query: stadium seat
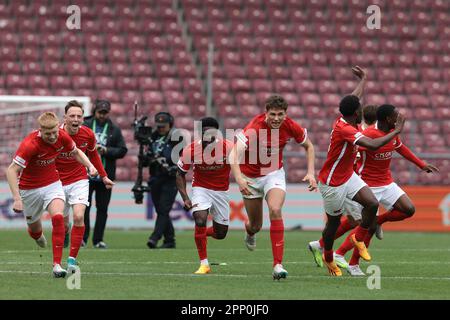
{"x":136,"y":49}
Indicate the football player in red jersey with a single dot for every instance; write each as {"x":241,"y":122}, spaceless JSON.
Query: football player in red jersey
{"x":374,"y":169}
{"x":338,"y":183}
{"x":35,"y":185}
{"x":209,"y":158}
{"x":261,"y":175}
{"x":74,"y":177}
{"x":351,"y":209}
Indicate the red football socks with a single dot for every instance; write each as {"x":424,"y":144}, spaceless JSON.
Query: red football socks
{"x":277,"y":238}
{"x":76,"y":237}
{"x":57,"y":238}
{"x":343,"y":228}
{"x":347,"y":245}
{"x":394,"y":215}
{"x":211,"y":233}
{"x":35,"y":235}
{"x":200,"y":242}
{"x":360,"y":233}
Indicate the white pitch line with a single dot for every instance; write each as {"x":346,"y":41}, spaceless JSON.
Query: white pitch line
{"x":223,"y":249}
{"x":196,"y":262}
{"x":141,"y":274}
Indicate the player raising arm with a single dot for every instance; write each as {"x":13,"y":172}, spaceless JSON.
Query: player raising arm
{"x":74,"y":177}
{"x":375,"y":171}
{"x":338,"y":183}
{"x":34,"y":182}
{"x":261,"y":175}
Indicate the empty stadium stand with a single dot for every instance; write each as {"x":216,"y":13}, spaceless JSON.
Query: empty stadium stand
{"x":155,"y":52}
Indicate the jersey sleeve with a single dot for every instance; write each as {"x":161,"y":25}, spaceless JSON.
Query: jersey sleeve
{"x":185,"y":161}
{"x":298,"y":133}
{"x":351,"y":134}
{"x":398,"y":142}
{"x":243,"y":138}
{"x":24,"y":154}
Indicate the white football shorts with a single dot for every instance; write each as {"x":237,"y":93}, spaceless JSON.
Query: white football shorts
{"x":36,"y":201}
{"x":334,"y":197}
{"x":261,"y":185}
{"x":76,"y":193}
{"x":218,"y":203}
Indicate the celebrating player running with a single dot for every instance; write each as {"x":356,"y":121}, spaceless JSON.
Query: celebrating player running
{"x":261,"y":175}
{"x":374,"y":169}
{"x":338,"y":183}
{"x":209,"y":186}
{"x":74,"y":177}
{"x":38,"y":188}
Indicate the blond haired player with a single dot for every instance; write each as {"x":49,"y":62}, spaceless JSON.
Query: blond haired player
{"x":34,"y":182}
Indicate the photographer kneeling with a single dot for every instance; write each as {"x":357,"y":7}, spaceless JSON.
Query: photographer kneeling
{"x":162,"y":181}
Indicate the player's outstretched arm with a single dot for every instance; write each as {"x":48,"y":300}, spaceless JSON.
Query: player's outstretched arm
{"x":236,"y":155}
{"x":406,"y":153}
{"x":362,"y":75}
{"x":12,"y":175}
{"x":374,"y":144}
{"x":84,"y":160}
{"x":310,"y":158}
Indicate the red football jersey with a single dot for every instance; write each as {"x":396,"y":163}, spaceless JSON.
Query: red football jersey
{"x":211,"y":171}
{"x":37,"y":158}
{"x":339,"y":165}
{"x":70,"y":170}
{"x":374,"y":166}
{"x":258,"y":136}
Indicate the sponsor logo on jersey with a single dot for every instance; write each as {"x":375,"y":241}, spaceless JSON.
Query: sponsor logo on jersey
{"x":43,"y":163}
{"x":383,"y":155}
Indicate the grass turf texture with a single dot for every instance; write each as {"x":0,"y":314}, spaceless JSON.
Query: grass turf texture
{"x":413,"y":266}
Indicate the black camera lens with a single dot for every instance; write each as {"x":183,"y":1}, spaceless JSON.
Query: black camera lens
{"x":138,"y":197}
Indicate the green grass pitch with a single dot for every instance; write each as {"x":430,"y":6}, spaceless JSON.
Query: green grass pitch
{"x":413,"y":266}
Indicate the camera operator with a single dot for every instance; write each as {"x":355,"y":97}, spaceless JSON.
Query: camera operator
{"x":162,"y":181}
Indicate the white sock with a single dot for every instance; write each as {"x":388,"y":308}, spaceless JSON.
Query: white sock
{"x":204,"y":262}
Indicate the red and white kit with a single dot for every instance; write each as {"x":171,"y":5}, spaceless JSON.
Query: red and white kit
{"x":338,"y":183}
{"x":257,"y":137}
{"x":211,"y":178}
{"x":39,"y":180}
{"x":374,"y":169}
{"x":73,"y":174}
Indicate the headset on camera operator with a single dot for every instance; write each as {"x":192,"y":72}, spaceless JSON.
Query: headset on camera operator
{"x":157,"y":155}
